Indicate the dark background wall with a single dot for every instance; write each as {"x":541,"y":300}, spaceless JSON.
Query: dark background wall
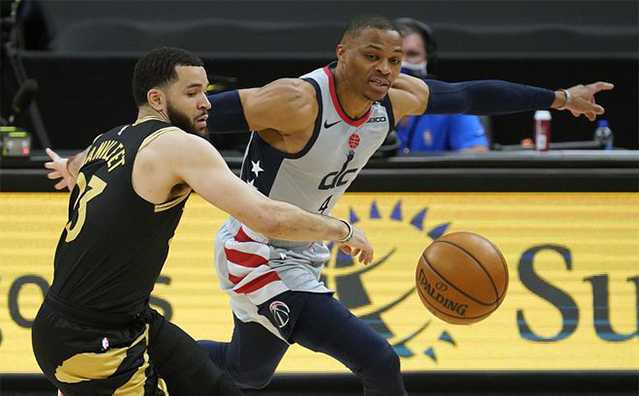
{"x":82,"y":52}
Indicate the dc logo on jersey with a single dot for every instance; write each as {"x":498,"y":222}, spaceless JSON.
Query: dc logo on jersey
{"x":358,"y":287}
{"x":353,"y":141}
{"x":340,"y":177}
{"x":281,"y":313}
{"x":376,"y":119}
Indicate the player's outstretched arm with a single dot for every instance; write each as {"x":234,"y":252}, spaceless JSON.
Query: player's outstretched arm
{"x":195,"y":162}
{"x":64,"y":168}
{"x":411,"y":95}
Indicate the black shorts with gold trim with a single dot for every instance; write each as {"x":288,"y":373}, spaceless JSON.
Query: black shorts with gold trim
{"x":83,"y":355}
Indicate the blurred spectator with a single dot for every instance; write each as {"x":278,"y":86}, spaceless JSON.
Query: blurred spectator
{"x":433,"y":132}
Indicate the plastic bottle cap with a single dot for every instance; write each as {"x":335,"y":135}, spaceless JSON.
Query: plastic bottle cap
{"x":603,"y":123}
{"x":542,"y":115}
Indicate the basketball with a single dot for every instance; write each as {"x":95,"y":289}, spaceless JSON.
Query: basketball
{"x":462,"y":278}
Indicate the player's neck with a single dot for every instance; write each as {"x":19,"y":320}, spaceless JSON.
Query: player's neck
{"x":149,"y":112}
{"x":353,"y":103}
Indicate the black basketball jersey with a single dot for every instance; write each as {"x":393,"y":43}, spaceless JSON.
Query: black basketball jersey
{"x":115,"y":243}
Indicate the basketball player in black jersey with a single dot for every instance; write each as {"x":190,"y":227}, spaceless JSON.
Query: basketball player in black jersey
{"x":95,"y":333}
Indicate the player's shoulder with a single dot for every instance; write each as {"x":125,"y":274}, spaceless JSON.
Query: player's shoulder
{"x":409,"y":95}
{"x":163,"y":136}
{"x":284,"y":94}
{"x":289,"y":103}
{"x":408,"y":84}
{"x":172,"y":141}
{"x":293,"y":89}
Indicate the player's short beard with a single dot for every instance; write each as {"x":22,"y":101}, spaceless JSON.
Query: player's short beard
{"x":181,"y":120}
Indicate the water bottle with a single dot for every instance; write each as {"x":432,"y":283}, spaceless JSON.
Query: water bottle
{"x":542,"y":130}
{"x":603,"y":135}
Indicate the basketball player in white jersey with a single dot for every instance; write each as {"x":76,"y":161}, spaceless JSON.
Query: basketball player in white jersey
{"x":311,"y":138}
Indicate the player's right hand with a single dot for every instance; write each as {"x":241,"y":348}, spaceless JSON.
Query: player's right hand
{"x":358,"y":245}
{"x":58,"y":165}
{"x":583,"y":99}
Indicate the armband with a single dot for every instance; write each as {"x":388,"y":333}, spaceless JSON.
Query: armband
{"x":567,"y":102}
{"x":350,"y":232}
{"x":226,"y":114}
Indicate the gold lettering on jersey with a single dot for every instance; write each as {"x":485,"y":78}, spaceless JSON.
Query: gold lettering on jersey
{"x":104,"y":148}
{"x":116,"y":159}
{"x":111,"y":151}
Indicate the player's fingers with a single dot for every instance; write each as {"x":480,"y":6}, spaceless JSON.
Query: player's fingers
{"x":346,"y":249}
{"x":54,"y":175}
{"x":355,"y":252}
{"x":52,"y":154}
{"x":49,"y":165}
{"x":364,"y":257}
{"x":61,"y":185}
{"x":602,"y":86}
{"x":593,"y":108}
{"x":369,"y":257}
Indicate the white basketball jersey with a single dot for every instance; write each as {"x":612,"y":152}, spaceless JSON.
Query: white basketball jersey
{"x":316,"y":177}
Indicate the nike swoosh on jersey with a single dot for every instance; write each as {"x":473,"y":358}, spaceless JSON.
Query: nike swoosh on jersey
{"x":327,"y":125}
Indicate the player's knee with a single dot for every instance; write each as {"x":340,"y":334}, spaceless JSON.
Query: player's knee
{"x":255,"y":379}
{"x":385,"y":364}
{"x":391,"y":360}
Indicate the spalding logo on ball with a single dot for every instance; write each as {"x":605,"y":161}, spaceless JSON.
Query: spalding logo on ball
{"x":462,"y":278}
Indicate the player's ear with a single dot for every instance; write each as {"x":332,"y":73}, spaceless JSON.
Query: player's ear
{"x":156,"y":98}
{"x":340,"y":52}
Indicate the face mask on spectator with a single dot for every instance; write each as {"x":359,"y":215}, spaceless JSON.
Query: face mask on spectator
{"x":415,"y":69}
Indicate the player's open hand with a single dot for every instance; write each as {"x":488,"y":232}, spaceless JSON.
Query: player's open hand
{"x":583,"y":99}
{"x":58,"y":165}
{"x":358,"y":245}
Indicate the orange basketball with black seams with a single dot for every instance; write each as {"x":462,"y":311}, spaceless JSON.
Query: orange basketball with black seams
{"x":462,"y":278}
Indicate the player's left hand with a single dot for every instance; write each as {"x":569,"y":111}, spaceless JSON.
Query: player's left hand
{"x":583,"y":99}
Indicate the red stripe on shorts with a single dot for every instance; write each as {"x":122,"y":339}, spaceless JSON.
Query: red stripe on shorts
{"x":242,"y":237}
{"x":259,"y":282}
{"x":244,"y":259}
{"x":236,"y":279}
